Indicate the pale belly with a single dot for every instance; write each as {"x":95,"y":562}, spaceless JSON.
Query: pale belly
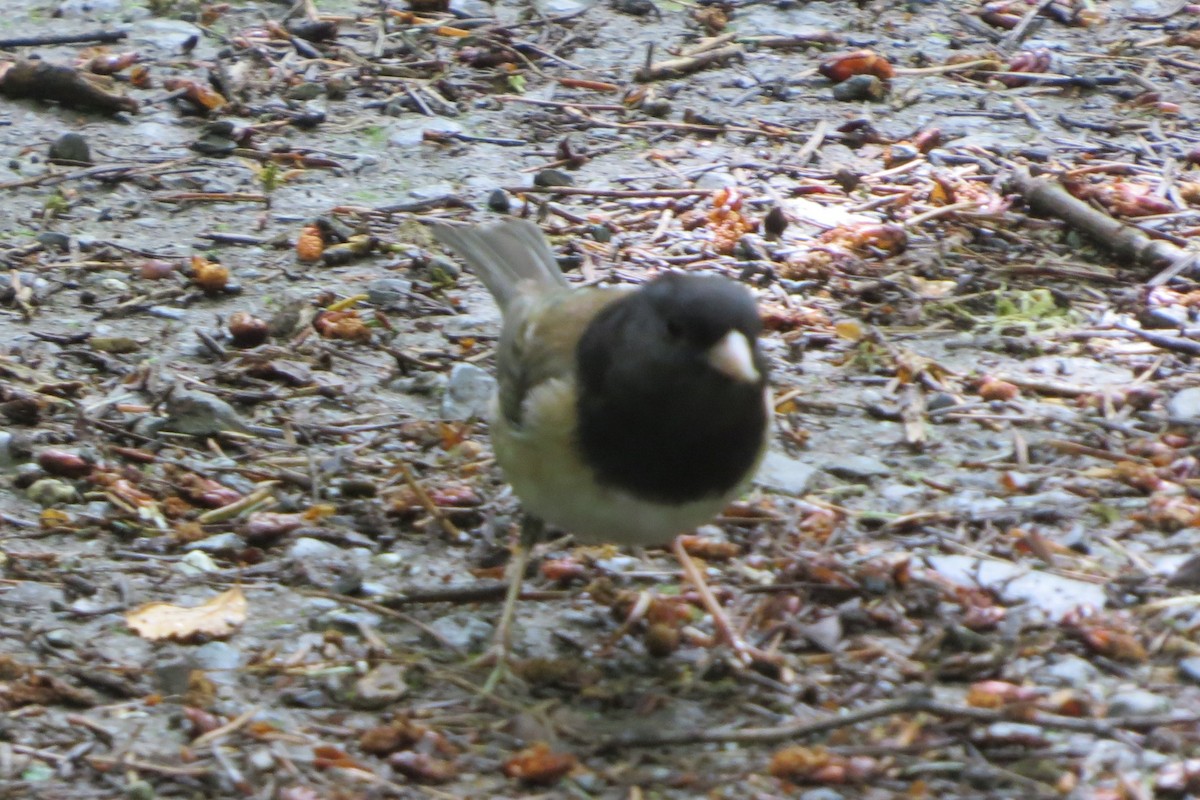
{"x":550,"y":481}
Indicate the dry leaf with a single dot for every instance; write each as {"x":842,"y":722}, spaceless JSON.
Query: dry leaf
{"x":216,"y":619}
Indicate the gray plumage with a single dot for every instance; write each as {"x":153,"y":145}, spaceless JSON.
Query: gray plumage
{"x":504,"y":255}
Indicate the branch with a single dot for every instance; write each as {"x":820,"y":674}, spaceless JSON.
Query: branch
{"x":1047,"y":196}
{"x":799,"y":729}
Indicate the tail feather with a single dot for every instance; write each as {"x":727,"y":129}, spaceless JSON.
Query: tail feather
{"x":504,"y":255}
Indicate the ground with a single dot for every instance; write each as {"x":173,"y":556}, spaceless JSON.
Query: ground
{"x":238,"y":376}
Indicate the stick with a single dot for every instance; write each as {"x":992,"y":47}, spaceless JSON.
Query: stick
{"x":626,"y":193}
{"x":675,"y":67}
{"x":104,"y":37}
{"x":1047,"y":196}
{"x":1108,"y":728}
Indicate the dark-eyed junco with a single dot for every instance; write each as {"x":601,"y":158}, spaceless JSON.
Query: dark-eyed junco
{"x":622,"y":415}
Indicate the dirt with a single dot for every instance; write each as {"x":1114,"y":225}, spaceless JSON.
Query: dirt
{"x":983,"y":488}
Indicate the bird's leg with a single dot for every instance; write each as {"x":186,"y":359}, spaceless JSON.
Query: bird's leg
{"x":746,"y":653}
{"x":532,"y":529}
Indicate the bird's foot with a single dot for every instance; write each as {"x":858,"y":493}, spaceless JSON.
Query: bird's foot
{"x":745,"y":654}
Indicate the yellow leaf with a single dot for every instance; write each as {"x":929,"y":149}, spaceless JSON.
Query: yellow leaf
{"x":850,"y":329}
{"x":216,"y":619}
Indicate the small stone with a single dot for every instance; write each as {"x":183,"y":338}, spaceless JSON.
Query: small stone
{"x":389,"y":293}
{"x":54,"y":240}
{"x":72,"y":147}
{"x":782,"y":473}
{"x":389,"y":560}
{"x":499,"y":201}
{"x":463,"y":631}
{"x":49,"y":492}
{"x":860,"y":87}
{"x":7,"y":457}
{"x":228,"y":542}
{"x":941,"y":400}
{"x":715,"y":179}
{"x":1163,"y":317}
{"x":1137,"y":702}
{"x":1189,"y":668}
{"x":308,"y":549}
{"x":380,"y":687}
{"x":305,"y":698}
{"x":1184,"y":407}
{"x":173,"y":676}
{"x":59,"y":637}
{"x":262,"y":759}
{"x":197,"y":563}
{"x":468,"y":392}
{"x":823,"y":793}
{"x":553,"y":177}
{"x":561,"y":8}
{"x":200,"y":414}
{"x":305,"y":91}
{"x":218,"y":657}
{"x":856,"y":467}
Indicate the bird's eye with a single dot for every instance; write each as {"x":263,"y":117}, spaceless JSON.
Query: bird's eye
{"x":674,"y":329}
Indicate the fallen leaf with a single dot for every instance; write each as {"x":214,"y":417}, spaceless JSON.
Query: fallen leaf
{"x":216,"y":619}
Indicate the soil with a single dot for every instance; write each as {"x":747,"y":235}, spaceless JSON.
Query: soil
{"x":967,"y":554}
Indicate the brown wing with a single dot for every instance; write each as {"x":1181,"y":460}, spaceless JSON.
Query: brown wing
{"x":541,"y":331}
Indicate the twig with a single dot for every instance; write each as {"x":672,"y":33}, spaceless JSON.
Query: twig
{"x":484,"y":591}
{"x":676,"y":67}
{"x":622,"y":193}
{"x":1018,"y":33}
{"x":1177,"y":344}
{"x":239,"y":721}
{"x":104,"y":37}
{"x":210,"y":197}
{"x":1047,"y":196}
{"x":427,"y":502}
{"x":1108,"y":728}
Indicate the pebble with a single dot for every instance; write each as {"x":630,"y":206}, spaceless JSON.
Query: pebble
{"x":856,"y":467}
{"x":468,"y":392}
{"x":1163,"y":317}
{"x":54,"y":240}
{"x":59,"y":637}
{"x":1189,"y":669}
{"x":49,"y":492}
{"x":499,"y":202}
{"x":553,"y":177}
{"x":561,"y":8}
{"x":200,"y":414}
{"x":1184,"y":407}
{"x":310,"y":698}
{"x":782,"y":473}
{"x":7,"y":460}
{"x":389,"y":560}
{"x":218,"y":656}
{"x":860,"y":87}
{"x":1137,"y":702}
{"x":380,"y":687}
{"x":388,"y":292}
{"x":197,"y":562}
{"x":715,"y":179}
{"x":71,"y":146}
{"x":174,"y":676}
{"x":823,"y":793}
{"x":227,"y":542}
{"x":262,"y":759}
{"x":306,"y":548}
{"x":463,"y":631}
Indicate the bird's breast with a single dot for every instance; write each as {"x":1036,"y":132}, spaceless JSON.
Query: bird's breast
{"x":541,"y":460}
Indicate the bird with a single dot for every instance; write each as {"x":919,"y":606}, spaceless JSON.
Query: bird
{"x":623,"y":415}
